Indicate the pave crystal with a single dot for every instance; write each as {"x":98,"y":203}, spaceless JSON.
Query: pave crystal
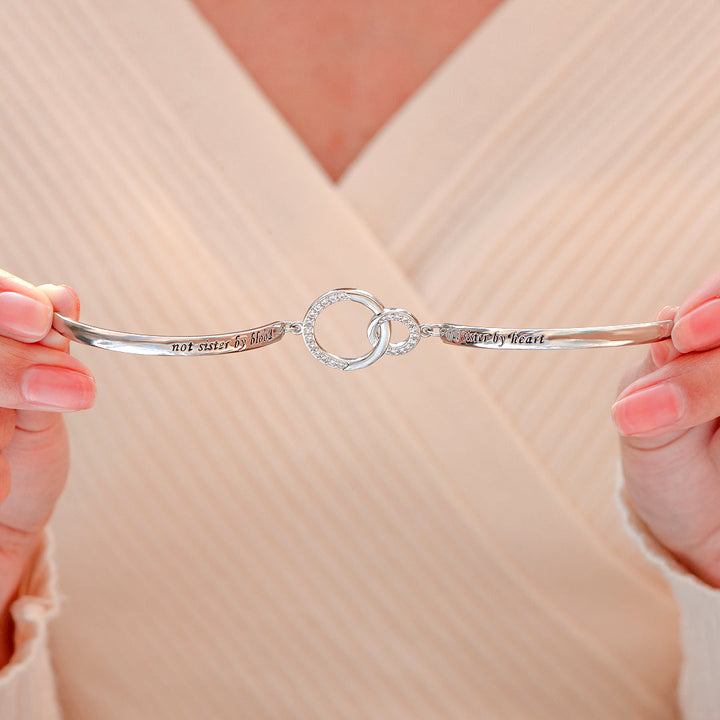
{"x":308,"y":328}
{"x":401,"y":316}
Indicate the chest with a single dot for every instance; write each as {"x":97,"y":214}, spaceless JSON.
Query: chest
{"x":338,"y":71}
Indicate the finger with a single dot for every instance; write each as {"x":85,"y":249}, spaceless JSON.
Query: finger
{"x":682,"y":394}
{"x":663,"y":352}
{"x":5,"y":479}
{"x":33,"y":377}
{"x":657,"y":355}
{"x":697,"y":323}
{"x":636,"y":372}
{"x":709,"y":289}
{"x":36,"y":421}
{"x":66,"y":302}
{"x":25,"y":311}
{"x":33,"y":493}
{"x":7,"y":426}
{"x":632,"y":376}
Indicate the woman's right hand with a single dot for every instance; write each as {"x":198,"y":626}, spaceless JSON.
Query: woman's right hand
{"x":39,"y":380}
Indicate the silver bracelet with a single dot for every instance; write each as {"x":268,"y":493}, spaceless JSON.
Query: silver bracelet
{"x":378,"y":332}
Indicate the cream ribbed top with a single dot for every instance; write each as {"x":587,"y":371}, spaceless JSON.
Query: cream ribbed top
{"x":259,"y":536}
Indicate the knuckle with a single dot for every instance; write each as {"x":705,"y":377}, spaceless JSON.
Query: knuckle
{"x":5,"y":478}
{"x":74,"y":300}
{"x":7,"y":426}
{"x":34,"y":422}
{"x":63,"y":299}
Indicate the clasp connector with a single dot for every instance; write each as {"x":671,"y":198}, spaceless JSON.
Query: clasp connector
{"x":378,"y":330}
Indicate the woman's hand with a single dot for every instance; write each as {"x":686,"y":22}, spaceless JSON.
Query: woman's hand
{"x":667,"y":414}
{"x":38,"y":381}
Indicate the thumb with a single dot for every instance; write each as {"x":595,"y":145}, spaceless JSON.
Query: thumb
{"x":64,"y":301}
{"x":660,"y":354}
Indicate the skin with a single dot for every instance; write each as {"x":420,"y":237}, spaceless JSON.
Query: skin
{"x":338,"y":72}
{"x":672,"y":471}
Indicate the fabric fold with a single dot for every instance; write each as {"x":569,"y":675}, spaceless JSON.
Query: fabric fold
{"x":27,"y":683}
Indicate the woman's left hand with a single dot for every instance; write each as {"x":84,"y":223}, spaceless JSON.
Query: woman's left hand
{"x":667,"y":416}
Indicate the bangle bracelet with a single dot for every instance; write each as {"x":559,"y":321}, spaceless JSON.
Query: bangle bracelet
{"x":378,"y":333}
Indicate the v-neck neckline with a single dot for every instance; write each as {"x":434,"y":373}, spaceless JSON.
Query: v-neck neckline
{"x":134,"y":36}
{"x":233,"y":45}
{"x":424,"y":150}
{"x":428,"y":132}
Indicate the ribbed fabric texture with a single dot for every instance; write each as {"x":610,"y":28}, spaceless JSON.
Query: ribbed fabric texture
{"x":260,"y":536}
{"x":576,"y":202}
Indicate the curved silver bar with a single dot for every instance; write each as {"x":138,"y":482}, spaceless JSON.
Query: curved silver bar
{"x":378,"y":334}
{"x":166,"y":345}
{"x":555,"y":338}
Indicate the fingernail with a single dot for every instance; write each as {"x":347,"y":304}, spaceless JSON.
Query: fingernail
{"x":22,"y":317}
{"x":667,"y":312}
{"x":648,"y":409}
{"x":700,"y":328}
{"x":57,"y":388}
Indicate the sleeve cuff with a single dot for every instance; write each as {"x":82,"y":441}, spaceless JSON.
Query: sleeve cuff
{"x":27,"y":684}
{"x":699,"y":607}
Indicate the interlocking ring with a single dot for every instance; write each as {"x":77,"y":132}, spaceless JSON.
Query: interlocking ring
{"x":336,"y":361}
{"x":403,"y":316}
